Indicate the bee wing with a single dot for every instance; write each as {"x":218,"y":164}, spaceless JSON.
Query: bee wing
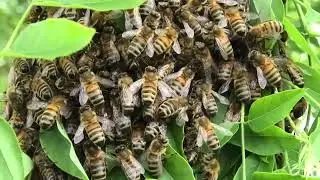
{"x":11,"y":76}
{"x":225,"y":86}
{"x":223,"y":23}
{"x":107,"y":124}
{"x":150,"y":48}
{"x":30,"y":119}
{"x":87,"y":17}
{"x":221,"y":98}
{"x":228,"y":2}
{"x":137,"y":171}
{"x":126,"y":96}
{"x":137,"y":21}
{"x":160,"y":32}
{"x":223,"y":130}
{"x":176,"y":46}
{"x":129,"y":34}
{"x":189,"y":30}
{"x":135,"y":86}
{"x":182,"y":117}
{"x":261,"y":79}
{"x":83,"y":96}
{"x":172,"y":76}
{"x":78,"y":136}
{"x":75,"y":91}
{"x":107,"y":83}
{"x":223,"y":53}
{"x":58,"y":13}
{"x":66,"y":111}
{"x":127,"y":23}
{"x":204,"y":101}
{"x":36,"y":104}
{"x":201,"y":137}
{"x":185,"y":90}
{"x":165,"y":90}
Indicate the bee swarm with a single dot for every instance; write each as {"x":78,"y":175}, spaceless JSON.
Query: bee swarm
{"x":166,"y":61}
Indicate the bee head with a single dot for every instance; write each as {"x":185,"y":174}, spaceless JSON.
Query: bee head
{"x":163,"y":140}
{"x":150,"y":69}
{"x":85,"y":108}
{"x":90,"y":148}
{"x":120,"y":149}
{"x":84,"y":69}
{"x":254,"y":54}
{"x":155,"y":14}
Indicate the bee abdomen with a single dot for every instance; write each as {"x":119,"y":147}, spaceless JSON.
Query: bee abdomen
{"x":161,"y":45}
{"x":239,"y":26}
{"x":273,"y":76}
{"x":48,"y":117}
{"x":296,"y":77}
{"x":154,"y":164}
{"x":149,"y":93}
{"x":95,"y":133}
{"x":145,"y":9}
{"x":212,"y":106}
{"x":138,"y":146}
{"x":166,"y":109}
{"x":47,"y":173}
{"x":213,"y":142}
{"x":196,"y":28}
{"x":216,"y":14}
{"x":136,"y":47}
{"x":43,"y":90}
{"x":98,"y":171}
{"x":242,"y":90}
{"x":148,"y":113}
{"x":95,"y":95}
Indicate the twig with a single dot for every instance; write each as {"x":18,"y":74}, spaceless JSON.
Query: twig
{"x":243,"y":150}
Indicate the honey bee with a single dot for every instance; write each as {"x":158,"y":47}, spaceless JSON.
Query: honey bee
{"x":206,"y":130}
{"x":143,"y":37}
{"x":153,"y":129}
{"x":42,"y":89}
{"x":299,"y":109}
{"x":110,"y":54}
{"x":292,"y":69}
{"x":181,"y":80}
{"x":190,"y":147}
{"x":154,"y":155}
{"x":211,"y":167}
{"x":26,"y":138}
{"x":126,"y":97}
{"x":49,"y":70}
{"x":90,"y":123}
{"x":46,"y":168}
{"x":165,"y":40}
{"x":23,"y":66}
{"x":241,"y":83}
{"x":146,"y":8}
{"x":207,"y":96}
{"x":234,"y":112}
{"x":174,"y":107}
{"x":215,"y":13}
{"x":17,"y":121}
{"x":137,"y":140}
{"x":268,"y":29}
{"x":68,"y":67}
{"x":267,"y":71}
{"x":203,"y":55}
{"x":166,"y":69}
{"x":133,"y":19}
{"x":196,"y":5}
{"x":225,"y":70}
{"x":52,"y":112}
{"x":122,"y":122}
{"x":235,"y":20}
{"x":189,"y":21}
{"x":149,"y":84}
{"x":90,"y":89}
{"x":95,"y":161}
{"x":131,"y":167}
{"x":37,"y":13}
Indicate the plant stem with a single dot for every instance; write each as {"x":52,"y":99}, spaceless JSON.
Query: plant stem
{"x":286,"y":160}
{"x":243,"y":150}
{"x":17,"y":28}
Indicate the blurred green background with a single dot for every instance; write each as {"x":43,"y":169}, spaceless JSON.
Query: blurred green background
{"x":11,"y":11}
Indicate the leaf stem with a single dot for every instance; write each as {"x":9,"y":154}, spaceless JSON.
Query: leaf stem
{"x":243,"y":150}
{"x":17,"y":28}
{"x":286,"y":160}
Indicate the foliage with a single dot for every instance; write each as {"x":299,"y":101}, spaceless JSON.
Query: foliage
{"x":258,"y":134}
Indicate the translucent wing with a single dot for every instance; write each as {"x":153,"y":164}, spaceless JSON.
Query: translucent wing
{"x":223,"y":52}
{"x":225,"y":87}
{"x":75,"y":91}
{"x":160,"y":32}
{"x":66,"y":111}
{"x":176,"y":46}
{"x":138,"y":170}
{"x":58,"y":13}
{"x":127,"y":23}
{"x":36,"y":104}
{"x":172,"y":76}
{"x":261,"y":79}
{"x":165,"y":90}
{"x":150,"y":48}
{"x":107,"y":83}
{"x":185,"y":90}
{"x":78,"y":136}
{"x":11,"y":76}
{"x":86,"y":18}
{"x":223,"y":23}
{"x":30,"y":119}
{"x":107,"y":124}
{"x":135,"y":86}
{"x":126,"y":97}
{"x":221,"y":98}
{"x":228,"y":2}
{"x":222,"y":130}
{"x":201,"y":137}
{"x":137,"y":21}
{"x":189,"y":30}
{"x":182,"y":117}
{"x":83,"y":96}
{"x":205,"y":101}
{"x":129,"y":34}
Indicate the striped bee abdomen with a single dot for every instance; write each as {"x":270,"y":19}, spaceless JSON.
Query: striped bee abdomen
{"x":162,"y":44}
{"x":95,"y":94}
{"x":136,"y":47}
{"x":272,"y":74}
{"x":95,"y":132}
{"x":97,"y":169}
{"x":42,"y":90}
{"x":242,"y":89}
{"x":154,"y":164}
{"x":149,"y":92}
{"x":49,"y":116}
{"x":213,"y":142}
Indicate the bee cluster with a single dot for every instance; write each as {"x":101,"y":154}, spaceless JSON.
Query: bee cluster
{"x":172,"y":62}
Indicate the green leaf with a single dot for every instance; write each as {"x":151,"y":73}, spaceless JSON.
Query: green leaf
{"x":230,"y":160}
{"x":270,"y":141}
{"x":224,"y":138}
{"x":278,"y":9}
{"x":10,"y":154}
{"x":255,"y":163}
{"x":280,"y":176}
{"x":27,"y":164}
{"x":50,"y":38}
{"x":296,"y":36}
{"x":98,"y":5}
{"x":57,"y":145}
{"x":116,"y":174}
{"x":268,"y":110}
{"x":176,"y":135}
{"x":315,"y":141}
{"x":264,"y":9}
{"x":177,"y":166}
{"x":312,"y":18}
